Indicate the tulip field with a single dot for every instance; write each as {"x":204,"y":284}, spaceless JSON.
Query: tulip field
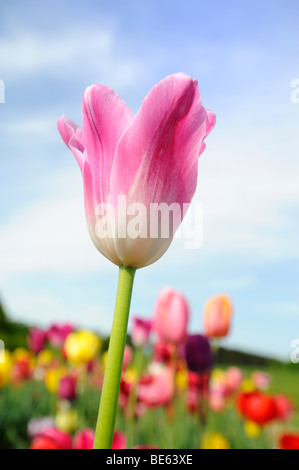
{"x":173,"y":395}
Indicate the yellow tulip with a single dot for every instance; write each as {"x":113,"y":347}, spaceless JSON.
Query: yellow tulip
{"x":82,"y":346}
{"x":247,"y":386}
{"x":181,"y":379}
{"x":66,"y":420}
{"x":53,"y":377}
{"x":252,"y":429}
{"x":5,"y":368}
{"x":214,"y":440}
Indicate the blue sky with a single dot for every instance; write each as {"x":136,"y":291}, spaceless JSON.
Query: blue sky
{"x":245,"y":57}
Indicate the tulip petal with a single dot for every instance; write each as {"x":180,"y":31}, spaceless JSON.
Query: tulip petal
{"x":73,"y":138}
{"x":156,"y":158}
{"x":105,"y":116}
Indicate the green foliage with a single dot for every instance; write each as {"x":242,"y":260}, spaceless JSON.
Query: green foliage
{"x":17,"y":407}
{"x":13,"y":334}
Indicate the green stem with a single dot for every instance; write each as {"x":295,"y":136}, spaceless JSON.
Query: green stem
{"x":109,"y":396}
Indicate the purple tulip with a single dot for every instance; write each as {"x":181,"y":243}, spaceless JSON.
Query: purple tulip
{"x":198,"y":352}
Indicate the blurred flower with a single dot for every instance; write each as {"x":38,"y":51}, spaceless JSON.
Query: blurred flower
{"x":53,"y":377}
{"x":257,"y":406}
{"x":252,"y":429}
{"x":156,"y":388}
{"x":171,"y":315}
{"x":289,"y":441}
{"x":261,"y":379}
{"x":82,"y":346}
{"x":67,"y":387}
{"x":149,"y":158}
{"x":36,"y":339}
{"x":217,"y":316}
{"x":43,"y":442}
{"x":37,"y":425}
{"x":45,"y":358}
{"x":181,"y":379}
{"x":5,"y":368}
{"x":57,"y":333}
{"x":119,"y":440}
{"x":84,"y":439}
{"x":214,"y":440}
{"x":199,"y":355}
{"x":66,"y":420}
{"x":164,"y":352}
{"x":128,"y":356}
{"x":140,"y":332}
{"x":60,"y":439}
{"x":284,"y":407}
{"x":144,"y":446}
{"x":233,"y":379}
{"x":247,"y":386}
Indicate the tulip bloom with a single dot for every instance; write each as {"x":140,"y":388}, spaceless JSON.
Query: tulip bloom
{"x":140,"y":332}
{"x":157,"y":387}
{"x":57,"y":333}
{"x":289,"y":441}
{"x":150,"y":159}
{"x":36,"y":339}
{"x":217,"y":316}
{"x":198,"y":352}
{"x":134,"y":169}
{"x":84,"y":439}
{"x":171,"y":315}
{"x":257,"y":407}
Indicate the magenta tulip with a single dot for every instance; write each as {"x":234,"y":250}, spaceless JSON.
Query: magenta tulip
{"x":171,"y":315}
{"x":36,"y":339}
{"x":140,"y":332}
{"x":147,"y":159}
{"x":84,"y":439}
{"x":67,"y":388}
{"x":57,"y":333}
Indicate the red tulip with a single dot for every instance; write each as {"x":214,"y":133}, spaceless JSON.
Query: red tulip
{"x":41,"y":442}
{"x":289,"y":441}
{"x":257,"y":406}
{"x":52,"y":438}
{"x":171,"y":315}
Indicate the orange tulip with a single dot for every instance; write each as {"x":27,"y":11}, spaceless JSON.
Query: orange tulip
{"x":217,"y":316}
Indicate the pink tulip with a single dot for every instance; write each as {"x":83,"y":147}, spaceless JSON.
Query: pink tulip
{"x":149,"y":158}
{"x":157,"y":387}
{"x":119,"y":440}
{"x":171,"y":316}
{"x":84,"y":439}
{"x":37,"y":339}
{"x":284,"y":407}
{"x":217,"y":316}
{"x":128,"y":356}
{"x":261,"y":379}
{"x":140,"y":332}
{"x":57,"y":333}
{"x":233,"y":378}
